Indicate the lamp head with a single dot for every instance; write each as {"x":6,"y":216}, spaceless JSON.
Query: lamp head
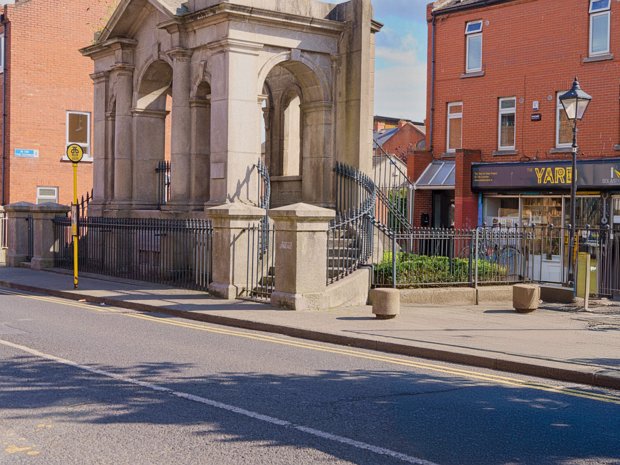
{"x":575,"y":102}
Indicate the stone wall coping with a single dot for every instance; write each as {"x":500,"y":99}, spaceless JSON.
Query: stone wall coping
{"x":236,"y":210}
{"x":51,"y":208}
{"x":20,"y":207}
{"x":302,"y":212}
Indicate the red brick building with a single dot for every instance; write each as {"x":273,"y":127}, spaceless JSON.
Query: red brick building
{"x":495,"y":71}
{"x":49,"y":96}
{"x":398,"y":137}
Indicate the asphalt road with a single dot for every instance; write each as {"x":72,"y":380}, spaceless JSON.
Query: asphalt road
{"x":85,"y":384}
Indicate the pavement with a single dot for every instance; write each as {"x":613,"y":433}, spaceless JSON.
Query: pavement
{"x":560,"y":342}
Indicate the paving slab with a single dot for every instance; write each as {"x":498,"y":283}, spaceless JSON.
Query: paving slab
{"x":556,"y":342}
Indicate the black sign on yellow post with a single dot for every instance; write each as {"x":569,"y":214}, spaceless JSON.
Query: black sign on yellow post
{"x":75,"y":153}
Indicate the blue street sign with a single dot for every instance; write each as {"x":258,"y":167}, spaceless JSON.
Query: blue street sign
{"x":26,"y":153}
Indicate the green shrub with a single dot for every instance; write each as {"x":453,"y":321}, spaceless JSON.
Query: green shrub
{"x":416,"y":270}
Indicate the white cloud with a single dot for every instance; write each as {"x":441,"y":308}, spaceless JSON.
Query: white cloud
{"x":400,"y":81}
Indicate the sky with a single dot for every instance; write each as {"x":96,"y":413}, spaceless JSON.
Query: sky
{"x":400,"y":82}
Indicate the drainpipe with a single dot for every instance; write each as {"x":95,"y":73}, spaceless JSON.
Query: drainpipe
{"x":5,"y":24}
{"x":432,"y":86}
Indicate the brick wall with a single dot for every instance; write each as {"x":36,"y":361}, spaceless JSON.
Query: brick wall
{"x":528,"y":53}
{"x":417,"y":162}
{"x":48,"y":77}
{"x":404,"y":141}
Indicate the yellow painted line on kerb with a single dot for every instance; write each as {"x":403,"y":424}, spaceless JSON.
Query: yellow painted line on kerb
{"x":504,"y":380}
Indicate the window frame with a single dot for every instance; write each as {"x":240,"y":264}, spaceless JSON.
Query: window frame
{"x":87,"y":147}
{"x":594,"y":13}
{"x":43,"y":197}
{"x":2,"y":45}
{"x":451,"y":116}
{"x":500,"y":113}
{"x":558,"y":111}
{"x":468,"y":38}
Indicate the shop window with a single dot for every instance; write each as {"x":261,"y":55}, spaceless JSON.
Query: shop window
{"x":507,"y":118}
{"x":501,"y":211}
{"x":78,"y":130}
{"x":473,"y":59}
{"x":563,"y":128}
{"x":599,"y":27}
{"x":47,"y":195}
{"x":455,"y":126}
{"x":542,"y":211}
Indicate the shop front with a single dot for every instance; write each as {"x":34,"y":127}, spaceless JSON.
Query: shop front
{"x":538,"y":194}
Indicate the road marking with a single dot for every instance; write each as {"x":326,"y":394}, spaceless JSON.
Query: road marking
{"x":498,"y":379}
{"x":222,"y":406}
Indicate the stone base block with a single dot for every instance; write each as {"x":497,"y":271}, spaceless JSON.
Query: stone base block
{"x":557,"y":294}
{"x":298,"y":301}
{"x":385,"y":303}
{"x":223,"y":291}
{"x":41,"y":263}
{"x":525,"y":297}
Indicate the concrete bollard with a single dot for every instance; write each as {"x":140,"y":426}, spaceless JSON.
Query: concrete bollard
{"x":525,"y":297}
{"x":385,"y":303}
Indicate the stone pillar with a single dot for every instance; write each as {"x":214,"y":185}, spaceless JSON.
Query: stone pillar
{"x":235,"y":124}
{"x":123,"y":147}
{"x":180,"y":163}
{"x":317,"y":162}
{"x":149,"y":143}
{"x":200,"y":151}
{"x":301,"y":256}
{"x":19,"y":217}
{"x":44,"y":240}
{"x":230,"y":247}
{"x":101,"y":132}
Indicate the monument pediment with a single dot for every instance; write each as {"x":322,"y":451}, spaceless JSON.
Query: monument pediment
{"x":130,"y":12}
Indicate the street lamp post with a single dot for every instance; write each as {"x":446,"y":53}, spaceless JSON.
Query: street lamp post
{"x":575,"y":103}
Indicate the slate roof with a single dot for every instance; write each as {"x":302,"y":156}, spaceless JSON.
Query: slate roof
{"x":445,"y":4}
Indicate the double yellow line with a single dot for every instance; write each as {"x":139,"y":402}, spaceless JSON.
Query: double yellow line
{"x":491,"y":378}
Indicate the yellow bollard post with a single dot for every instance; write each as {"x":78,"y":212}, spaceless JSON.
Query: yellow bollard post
{"x":75,"y":153}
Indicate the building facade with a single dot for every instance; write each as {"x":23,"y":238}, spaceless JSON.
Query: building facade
{"x":48,"y":97}
{"x":495,"y":72}
{"x":399,"y":137}
{"x":292,"y":80}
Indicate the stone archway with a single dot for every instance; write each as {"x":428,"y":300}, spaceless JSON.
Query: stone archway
{"x":150,"y":113}
{"x":298,"y":143}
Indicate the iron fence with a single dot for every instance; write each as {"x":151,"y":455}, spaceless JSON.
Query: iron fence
{"x":349,"y":236}
{"x":163,"y":182}
{"x":260,"y":278}
{"x":172,"y":252}
{"x":395,"y":190}
{"x":427,"y":257}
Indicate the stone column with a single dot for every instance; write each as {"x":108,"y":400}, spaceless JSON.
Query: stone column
{"x":235,"y":124}
{"x":180,"y":160}
{"x":149,"y":143}
{"x":317,"y":161}
{"x":200,"y":151}
{"x":19,"y":217}
{"x":230,"y":247}
{"x":44,"y":240}
{"x":101,"y":133}
{"x":123,"y":147}
{"x":301,"y":256}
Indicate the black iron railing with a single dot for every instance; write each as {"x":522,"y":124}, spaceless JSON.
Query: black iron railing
{"x":427,"y":257}
{"x":395,"y":192}
{"x":172,"y":252}
{"x":163,"y":182}
{"x":350,"y":234}
{"x":260,"y":279}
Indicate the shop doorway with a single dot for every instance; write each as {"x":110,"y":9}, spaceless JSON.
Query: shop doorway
{"x":443,"y":209}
